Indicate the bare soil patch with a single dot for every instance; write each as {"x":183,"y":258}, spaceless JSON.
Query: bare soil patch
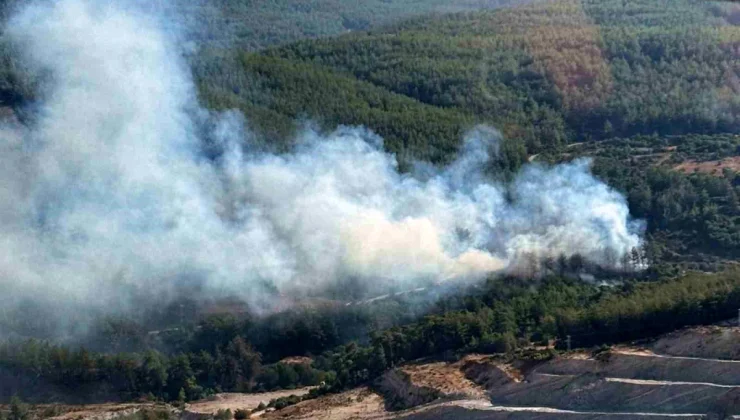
{"x":683,"y":372}
{"x":712,"y":167}
{"x":234,"y":401}
{"x":360,"y":403}
{"x":105,"y":411}
{"x":297,"y":360}
{"x":706,"y":342}
{"x":446,"y":378}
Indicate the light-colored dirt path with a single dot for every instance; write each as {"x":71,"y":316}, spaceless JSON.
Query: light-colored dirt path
{"x":644,"y":381}
{"x":487,"y":406}
{"x":648,"y":353}
{"x":669,"y":383}
{"x":234,"y":401}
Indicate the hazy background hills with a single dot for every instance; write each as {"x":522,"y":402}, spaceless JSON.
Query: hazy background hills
{"x":648,"y":89}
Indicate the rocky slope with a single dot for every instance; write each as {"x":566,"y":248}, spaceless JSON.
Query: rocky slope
{"x":689,"y":374}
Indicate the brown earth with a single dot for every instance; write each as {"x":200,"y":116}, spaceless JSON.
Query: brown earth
{"x":488,"y":372}
{"x":709,"y":342}
{"x":234,"y":401}
{"x":689,"y":374}
{"x":90,"y":411}
{"x":448,"y":379}
{"x":297,"y":360}
{"x":637,"y":365}
{"x":589,"y":392}
{"x":400,"y":392}
{"x":108,"y":411}
{"x":360,"y":403}
{"x":712,"y":167}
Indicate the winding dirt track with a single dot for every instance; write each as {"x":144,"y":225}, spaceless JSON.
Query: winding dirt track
{"x":645,"y":381}
{"x":487,"y":406}
{"x":648,"y":353}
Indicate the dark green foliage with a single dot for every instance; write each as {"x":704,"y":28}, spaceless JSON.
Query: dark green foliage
{"x":591,"y":315}
{"x":149,"y":414}
{"x":241,"y":365}
{"x":610,"y":73}
{"x":298,"y":90}
{"x":282,"y":402}
{"x":18,"y":410}
{"x":691,"y":217}
{"x":544,"y":74}
{"x":181,"y":381}
{"x":287,"y":376}
{"x":497,"y":318}
{"x":254,"y":24}
{"x":223,"y":415}
{"x":182,"y":396}
{"x":651,"y":309}
{"x":154,"y":373}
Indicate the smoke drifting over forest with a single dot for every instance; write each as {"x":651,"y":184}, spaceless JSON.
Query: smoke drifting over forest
{"x":108,"y":200}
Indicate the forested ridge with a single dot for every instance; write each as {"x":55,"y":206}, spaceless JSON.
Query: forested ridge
{"x":646,"y":88}
{"x":253,"y":24}
{"x":546,"y":74}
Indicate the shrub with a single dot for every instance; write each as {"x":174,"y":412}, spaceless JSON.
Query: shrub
{"x":223,"y":415}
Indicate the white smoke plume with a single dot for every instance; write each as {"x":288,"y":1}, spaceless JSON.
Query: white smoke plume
{"x":108,"y":191}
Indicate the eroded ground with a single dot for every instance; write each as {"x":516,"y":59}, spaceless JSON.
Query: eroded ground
{"x":690,"y":374}
{"x":233,"y":401}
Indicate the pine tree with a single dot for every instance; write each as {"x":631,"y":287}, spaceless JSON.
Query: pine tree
{"x":378,"y":362}
{"x":18,"y":410}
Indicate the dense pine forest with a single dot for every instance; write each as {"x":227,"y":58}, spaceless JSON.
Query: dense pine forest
{"x":253,"y":25}
{"x":648,"y":89}
{"x":546,"y":74}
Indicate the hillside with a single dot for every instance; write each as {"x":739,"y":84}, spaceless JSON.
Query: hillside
{"x":546,"y":73}
{"x":689,"y":374}
{"x":253,"y":25}
{"x":505,"y":316}
{"x":238,"y":256}
{"x":635,"y":381}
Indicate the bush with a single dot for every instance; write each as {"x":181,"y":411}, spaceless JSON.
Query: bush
{"x":147,"y":414}
{"x":282,"y":402}
{"x":155,"y":415}
{"x":18,"y":410}
{"x":223,"y":415}
{"x":51,"y":411}
{"x":241,"y":414}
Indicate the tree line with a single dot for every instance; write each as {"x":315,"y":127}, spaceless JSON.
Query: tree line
{"x":504,"y":315}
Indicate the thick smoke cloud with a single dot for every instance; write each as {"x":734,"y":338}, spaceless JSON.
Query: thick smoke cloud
{"x":107,"y":199}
